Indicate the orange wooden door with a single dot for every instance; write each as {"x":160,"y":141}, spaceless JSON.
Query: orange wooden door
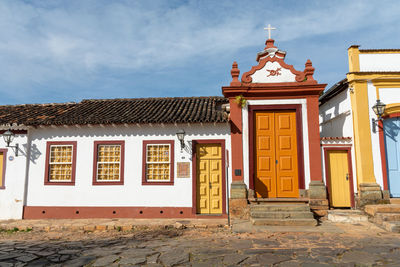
{"x":265,"y":182}
{"x":276,"y":170}
{"x":286,"y":154}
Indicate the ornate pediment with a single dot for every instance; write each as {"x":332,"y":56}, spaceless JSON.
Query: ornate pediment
{"x":272,"y":68}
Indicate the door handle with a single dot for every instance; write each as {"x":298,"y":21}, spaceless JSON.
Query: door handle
{"x":209,"y":185}
{"x":347,"y":176}
{"x":276,"y":161}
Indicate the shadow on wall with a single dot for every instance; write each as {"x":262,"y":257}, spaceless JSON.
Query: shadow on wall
{"x":35,"y":152}
{"x":333,"y":122}
{"x":120,"y":131}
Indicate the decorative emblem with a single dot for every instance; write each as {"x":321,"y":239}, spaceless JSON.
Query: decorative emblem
{"x":276,"y":72}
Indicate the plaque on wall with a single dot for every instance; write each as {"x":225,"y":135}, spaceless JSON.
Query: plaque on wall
{"x":183,"y":170}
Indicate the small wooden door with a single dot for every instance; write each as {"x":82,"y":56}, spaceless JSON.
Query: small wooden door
{"x":276,"y":154}
{"x":209,"y":179}
{"x":392,"y":146}
{"x":339,"y":178}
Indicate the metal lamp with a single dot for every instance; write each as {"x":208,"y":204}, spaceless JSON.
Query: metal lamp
{"x":181,"y":137}
{"x":8,"y":138}
{"x":379,"y":109}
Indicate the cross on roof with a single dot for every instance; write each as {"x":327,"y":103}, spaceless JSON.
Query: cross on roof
{"x":269,"y":28}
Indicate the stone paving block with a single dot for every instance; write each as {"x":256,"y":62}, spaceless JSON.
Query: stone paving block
{"x":175,"y":257}
{"x":6,"y":264}
{"x":27,"y":258}
{"x":270,"y":259}
{"x":81,"y":261}
{"x":153,"y":258}
{"x":132,"y":261}
{"x":105,"y":261}
{"x":234,"y":259}
{"x":101,"y":227}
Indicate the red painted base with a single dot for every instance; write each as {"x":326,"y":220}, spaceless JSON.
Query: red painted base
{"x":43,"y":212}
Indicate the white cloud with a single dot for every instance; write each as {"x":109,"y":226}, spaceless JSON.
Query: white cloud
{"x":69,"y":41}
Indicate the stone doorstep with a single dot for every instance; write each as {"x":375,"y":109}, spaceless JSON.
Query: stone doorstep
{"x":384,"y":208}
{"x":284,"y":222}
{"x":386,"y":217}
{"x":391,"y":226}
{"x":347,"y":216}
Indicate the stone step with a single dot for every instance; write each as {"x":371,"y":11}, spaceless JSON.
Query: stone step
{"x":282,"y":215}
{"x":347,"y":216}
{"x":383,"y":208}
{"x":395,"y":201}
{"x":279,"y":208}
{"x":284,"y":222}
{"x":279,"y":200}
{"x":391,"y":226}
{"x":386,"y":217}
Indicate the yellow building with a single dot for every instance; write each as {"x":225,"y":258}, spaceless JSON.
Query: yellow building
{"x":359,"y":123}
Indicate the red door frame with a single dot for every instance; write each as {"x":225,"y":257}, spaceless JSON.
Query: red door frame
{"x":383,"y":149}
{"x":194,"y":172}
{"x":299,"y":133}
{"x":327,"y":175}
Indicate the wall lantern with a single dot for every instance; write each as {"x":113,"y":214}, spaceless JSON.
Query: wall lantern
{"x":379,"y":109}
{"x":181,"y":137}
{"x":8,"y":138}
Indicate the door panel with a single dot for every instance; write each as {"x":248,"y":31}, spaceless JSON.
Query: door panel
{"x":392,"y":144}
{"x":209,"y":179}
{"x":339,"y":176}
{"x":264,"y":182}
{"x":286,"y":153}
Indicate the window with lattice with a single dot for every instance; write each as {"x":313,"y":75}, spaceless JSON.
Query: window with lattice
{"x":108,"y":162}
{"x":60,"y":163}
{"x":158,"y":162}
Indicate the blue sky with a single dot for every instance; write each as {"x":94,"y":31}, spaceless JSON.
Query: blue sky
{"x":62,"y":51}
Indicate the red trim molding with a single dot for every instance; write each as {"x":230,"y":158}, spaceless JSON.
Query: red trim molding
{"x":299,"y":133}
{"x":46,"y":173}
{"x":172,"y":157}
{"x":3,"y":174}
{"x":122,"y":163}
{"x":194,"y":172}
{"x":328,"y":178}
{"x":52,"y":212}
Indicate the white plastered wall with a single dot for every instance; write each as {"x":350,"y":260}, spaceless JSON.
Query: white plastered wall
{"x":12,"y":197}
{"x":245,"y":136}
{"x":132,"y":193}
{"x":336,"y":120}
{"x":380,"y":62}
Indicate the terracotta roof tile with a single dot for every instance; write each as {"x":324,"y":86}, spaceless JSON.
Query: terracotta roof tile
{"x":108,"y":111}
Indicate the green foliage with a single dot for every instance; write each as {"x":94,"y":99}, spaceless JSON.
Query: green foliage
{"x":241,"y":101}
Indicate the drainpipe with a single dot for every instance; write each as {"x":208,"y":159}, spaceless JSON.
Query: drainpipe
{"x":227,"y":184}
{"x":27,"y":164}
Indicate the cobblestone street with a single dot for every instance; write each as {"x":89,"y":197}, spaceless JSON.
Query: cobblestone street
{"x":351,"y":245}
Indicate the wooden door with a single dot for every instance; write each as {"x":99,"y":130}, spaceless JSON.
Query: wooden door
{"x":339,"y":178}
{"x":392,"y":147}
{"x":287,"y":174}
{"x":265,"y":180}
{"x":209,"y":179}
{"x":276,"y":170}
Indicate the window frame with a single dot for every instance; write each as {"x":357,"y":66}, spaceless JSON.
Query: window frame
{"x":121,"y":164}
{"x":3,"y":174}
{"x":47,"y":167}
{"x":172,"y":161}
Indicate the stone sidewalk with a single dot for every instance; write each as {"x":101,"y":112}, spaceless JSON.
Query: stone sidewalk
{"x":107,"y":224}
{"x":361,"y":244}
